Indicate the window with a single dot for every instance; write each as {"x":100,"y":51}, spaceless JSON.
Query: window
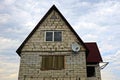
{"x":57,"y":36}
{"x":90,"y":71}
{"x":53,"y":17}
{"x":53,"y":36}
{"x":49,"y":36}
{"x":52,"y":62}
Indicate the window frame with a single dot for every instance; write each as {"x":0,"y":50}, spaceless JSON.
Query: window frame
{"x":53,"y":36}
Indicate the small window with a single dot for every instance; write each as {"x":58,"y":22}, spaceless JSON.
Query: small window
{"x":49,"y":36}
{"x":53,"y":36}
{"x":57,"y":36}
{"x":52,"y":62}
{"x":53,"y":17}
{"x":90,"y":71}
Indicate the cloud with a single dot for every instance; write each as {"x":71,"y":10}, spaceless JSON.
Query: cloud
{"x":111,"y":59}
{"x":8,"y":69}
{"x":103,"y":12}
{"x":8,"y":2}
{"x":93,"y":20}
{"x":111,"y":71}
{"x":4,"y":18}
{"x":8,"y":44}
{"x":108,"y":75}
{"x":100,"y":24}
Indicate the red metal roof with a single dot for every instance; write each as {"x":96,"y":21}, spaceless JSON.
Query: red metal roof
{"x":94,"y":54}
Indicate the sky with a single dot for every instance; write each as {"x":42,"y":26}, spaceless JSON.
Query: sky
{"x":94,"y":21}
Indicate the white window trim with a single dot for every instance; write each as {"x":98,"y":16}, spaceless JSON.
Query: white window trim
{"x":52,"y":35}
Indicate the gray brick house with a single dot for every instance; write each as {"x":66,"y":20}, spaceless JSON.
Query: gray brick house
{"x":54,"y":51}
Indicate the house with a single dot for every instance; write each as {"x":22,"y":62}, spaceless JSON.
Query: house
{"x":54,"y":51}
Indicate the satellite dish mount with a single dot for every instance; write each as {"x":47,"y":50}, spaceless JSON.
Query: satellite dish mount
{"x":75,"y":47}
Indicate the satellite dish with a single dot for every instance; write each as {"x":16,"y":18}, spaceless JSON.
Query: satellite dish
{"x":75,"y":47}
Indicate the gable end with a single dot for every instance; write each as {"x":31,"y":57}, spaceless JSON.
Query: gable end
{"x":45,"y":16}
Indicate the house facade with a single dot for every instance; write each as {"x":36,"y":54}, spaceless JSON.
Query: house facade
{"x":54,"y":51}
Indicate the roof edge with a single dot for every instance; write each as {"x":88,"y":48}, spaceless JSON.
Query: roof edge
{"x":43,"y":18}
{"x":97,"y":49}
{"x":35,"y":28}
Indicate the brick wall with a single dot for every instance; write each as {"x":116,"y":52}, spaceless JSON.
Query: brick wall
{"x":37,"y":41}
{"x":31,"y":63}
{"x":36,"y":47}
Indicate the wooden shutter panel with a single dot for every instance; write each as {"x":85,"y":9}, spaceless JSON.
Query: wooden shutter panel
{"x":55,"y":62}
{"x":50,"y":62}
{"x":43,"y":62}
{"x":60,"y":62}
{"x":46,"y":62}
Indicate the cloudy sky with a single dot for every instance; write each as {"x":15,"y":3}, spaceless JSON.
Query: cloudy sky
{"x":93,"y":20}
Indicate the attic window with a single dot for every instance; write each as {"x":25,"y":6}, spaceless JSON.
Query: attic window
{"x":53,"y":17}
{"x":53,"y":36}
{"x":90,"y":71}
